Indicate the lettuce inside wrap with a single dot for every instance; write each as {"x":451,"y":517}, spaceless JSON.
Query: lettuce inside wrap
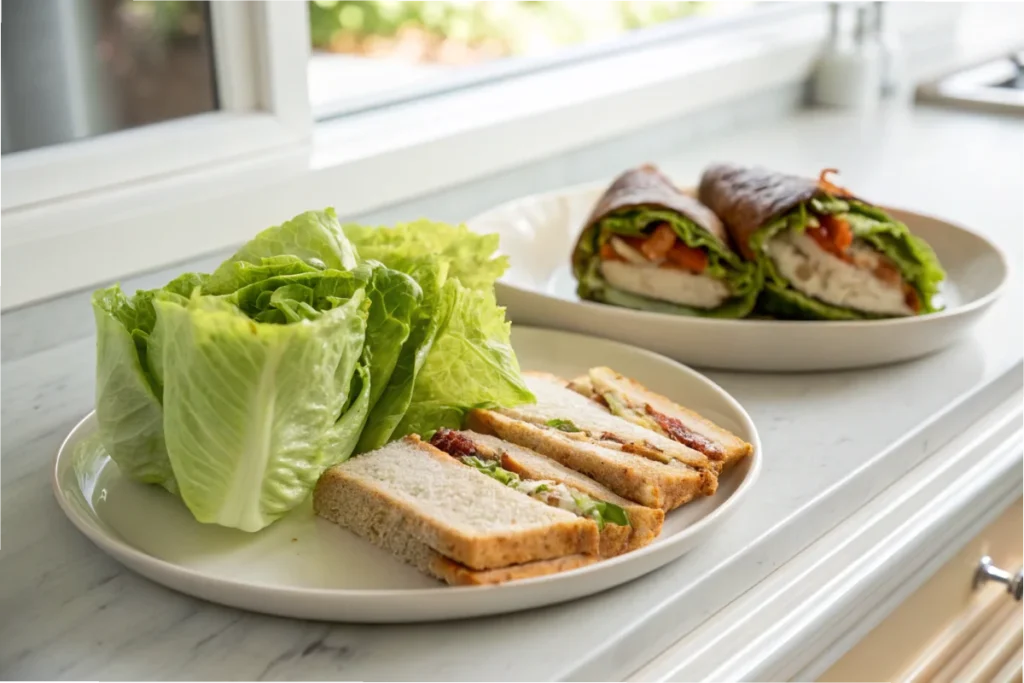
{"x":742,"y":278}
{"x":913,"y":257}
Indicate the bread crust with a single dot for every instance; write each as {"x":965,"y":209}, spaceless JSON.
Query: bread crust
{"x":730,"y":447}
{"x":457,"y":575}
{"x":555,"y":400}
{"x":650,"y":483}
{"x":370,"y":509}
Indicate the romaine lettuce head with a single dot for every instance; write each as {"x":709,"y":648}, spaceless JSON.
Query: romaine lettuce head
{"x":236,"y":390}
{"x":249,"y":406}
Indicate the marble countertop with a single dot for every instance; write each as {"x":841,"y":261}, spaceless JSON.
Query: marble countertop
{"x":69,"y":611}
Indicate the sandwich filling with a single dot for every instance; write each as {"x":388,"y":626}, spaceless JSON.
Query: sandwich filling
{"x":834,"y":256}
{"x":662,"y":267}
{"x":552,"y":493}
{"x":858,"y":278}
{"x":656,"y":259}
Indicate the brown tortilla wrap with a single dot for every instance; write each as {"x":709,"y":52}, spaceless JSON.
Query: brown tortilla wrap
{"x":748,"y":198}
{"x":647,"y":187}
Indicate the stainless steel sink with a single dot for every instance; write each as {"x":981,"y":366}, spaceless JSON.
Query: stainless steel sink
{"x":996,"y":85}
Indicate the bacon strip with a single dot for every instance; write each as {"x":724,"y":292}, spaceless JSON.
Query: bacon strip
{"x":677,"y":431}
{"x":452,"y":443}
{"x":825,"y":185}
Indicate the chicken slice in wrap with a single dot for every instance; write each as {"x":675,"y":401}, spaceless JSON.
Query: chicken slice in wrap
{"x":648,"y":246}
{"x":825,"y":253}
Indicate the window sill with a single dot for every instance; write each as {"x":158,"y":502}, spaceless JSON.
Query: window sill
{"x":367,"y":161}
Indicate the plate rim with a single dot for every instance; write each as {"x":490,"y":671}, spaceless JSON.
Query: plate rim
{"x":980,"y":303}
{"x":122,"y":550}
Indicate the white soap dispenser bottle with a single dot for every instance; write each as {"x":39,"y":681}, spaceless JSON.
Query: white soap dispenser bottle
{"x":893,"y":66}
{"x":848,"y":73}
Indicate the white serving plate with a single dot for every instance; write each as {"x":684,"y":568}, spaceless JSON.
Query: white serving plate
{"x":305,"y":567}
{"x":538,"y":234}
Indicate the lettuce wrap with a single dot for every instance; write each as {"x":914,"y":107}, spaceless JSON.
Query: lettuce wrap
{"x":825,"y":254}
{"x":648,"y":246}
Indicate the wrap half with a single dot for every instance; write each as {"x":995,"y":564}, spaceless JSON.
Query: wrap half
{"x":648,"y":246}
{"x":825,"y":254}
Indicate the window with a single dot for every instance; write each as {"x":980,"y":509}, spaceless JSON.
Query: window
{"x":140,"y":133}
{"x":117,"y":92}
{"x":368,"y":54}
{"x":74,"y":70}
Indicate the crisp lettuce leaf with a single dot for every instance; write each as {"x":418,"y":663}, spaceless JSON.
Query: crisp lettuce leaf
{"x":128,"y":379}
{"x":394,"y":298}
{"x":912,"y":255}
{"x":470,"y":365}
{"x":248,"y":406}
{"x":128,"y":407}
{"x":437,"y":305}
{"x":788,"y":304}
{"x":598,"y":510}
{"x":470,"y":257}
{"x":285,"y":289}
{"x":492,"y":468}
{"x":315,"y":237}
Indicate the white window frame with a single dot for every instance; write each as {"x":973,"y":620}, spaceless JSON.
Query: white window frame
{"x":217,"y":179}
{"x":260,"y":51}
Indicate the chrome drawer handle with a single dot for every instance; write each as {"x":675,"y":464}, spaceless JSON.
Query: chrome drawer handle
{"x":989,"y":572}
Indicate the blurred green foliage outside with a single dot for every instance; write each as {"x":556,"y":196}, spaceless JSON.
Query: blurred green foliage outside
{"x":467,"y":32}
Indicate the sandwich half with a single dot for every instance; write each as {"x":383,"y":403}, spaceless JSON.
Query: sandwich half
{"x":623,"y":525}
{"x":651,"y":247}
{"x":652,"y":483}
{"x":825,"y":253}
{"x":449,"y":520}
{"x":632,"y":401}
{"x":560,"y":408}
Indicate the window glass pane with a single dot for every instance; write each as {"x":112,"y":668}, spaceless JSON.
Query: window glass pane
{"x":370,"y":50}
{"x":73,"y":69}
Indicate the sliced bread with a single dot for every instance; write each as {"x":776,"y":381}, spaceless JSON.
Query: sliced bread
{"x":582,"y":418}
{"x":654,"y":484}
{"x":412,"y":487}
{"x":634,"y":402}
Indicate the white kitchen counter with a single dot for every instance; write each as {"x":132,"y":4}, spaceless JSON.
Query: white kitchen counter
{"x":69,"y":611}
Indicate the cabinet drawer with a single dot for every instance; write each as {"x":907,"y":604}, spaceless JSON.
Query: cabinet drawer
{"x":945,"y":624}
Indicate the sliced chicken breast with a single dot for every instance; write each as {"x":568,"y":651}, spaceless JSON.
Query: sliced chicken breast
{"x":637,"y":275}
{"x":819,"y":274}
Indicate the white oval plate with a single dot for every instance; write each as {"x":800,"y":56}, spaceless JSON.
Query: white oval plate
{"x":305,"y":567}
{"x":538,"y":234}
